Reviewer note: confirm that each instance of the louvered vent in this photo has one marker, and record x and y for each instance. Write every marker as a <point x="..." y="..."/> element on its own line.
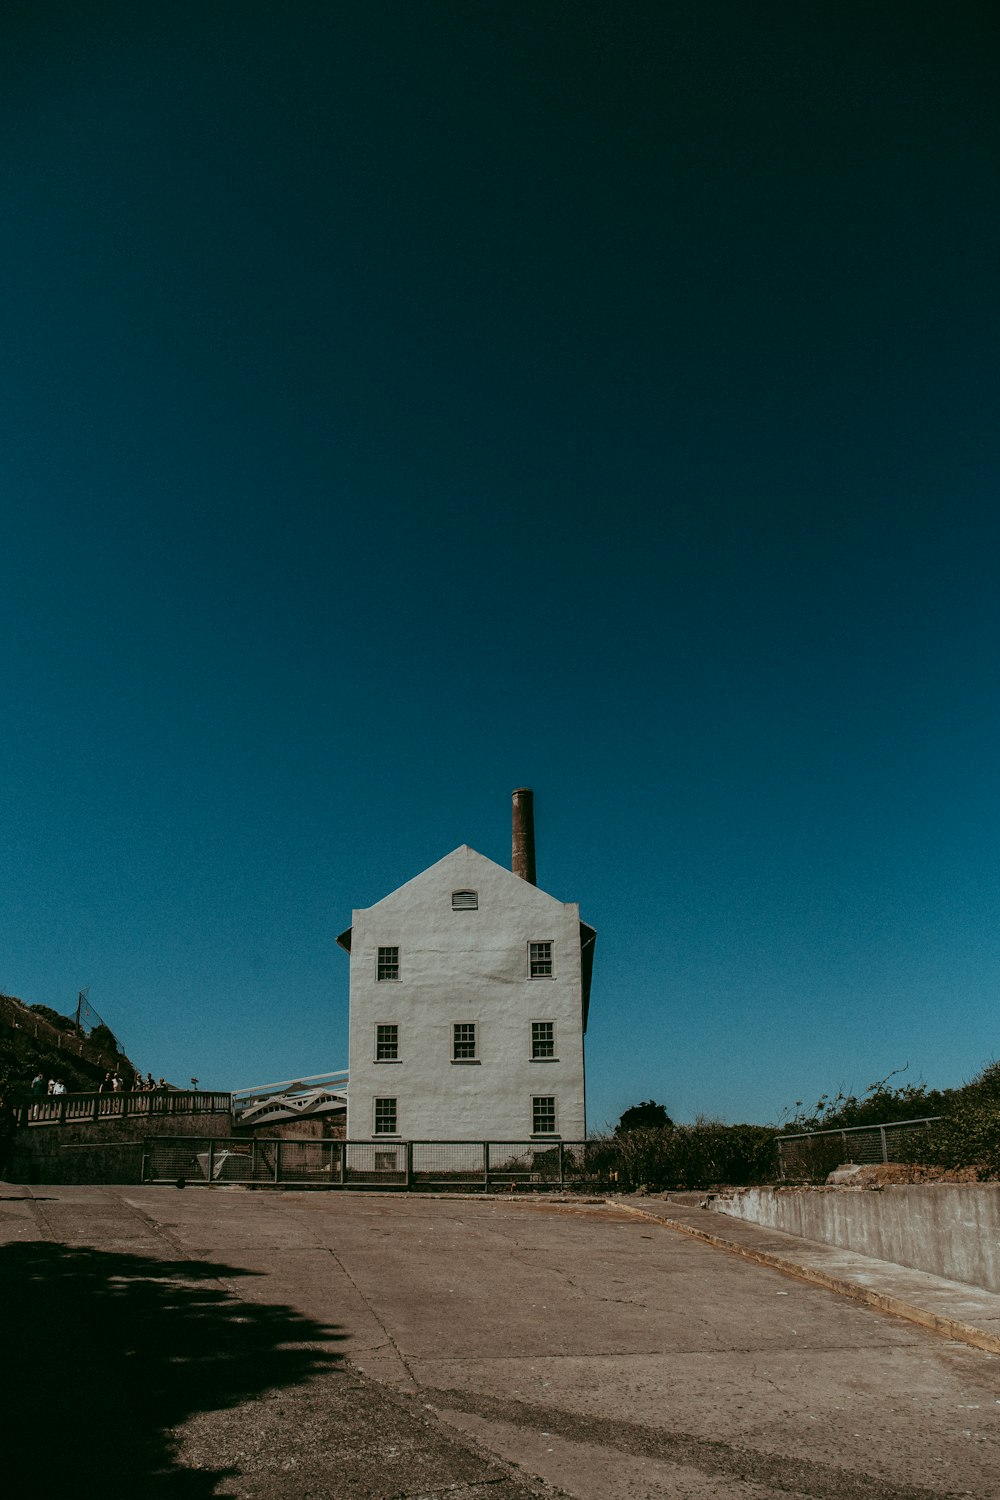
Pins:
<point x="465" y="900"/>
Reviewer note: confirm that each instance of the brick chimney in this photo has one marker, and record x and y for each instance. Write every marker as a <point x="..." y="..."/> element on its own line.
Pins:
<point x="522" y="845"/>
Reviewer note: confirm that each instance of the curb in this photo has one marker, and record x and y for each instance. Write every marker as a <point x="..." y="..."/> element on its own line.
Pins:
<point x="952" y="1328"/>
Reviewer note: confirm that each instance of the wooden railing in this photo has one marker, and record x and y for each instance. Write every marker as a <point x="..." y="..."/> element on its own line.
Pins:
<point x="78" y="1109"/>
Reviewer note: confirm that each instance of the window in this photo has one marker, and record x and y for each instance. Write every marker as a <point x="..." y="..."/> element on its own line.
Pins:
<point x="463" y="1041"/>
<point x="385" y="1161"/>
<point x="539" y="960"/>
<point x="543" y="1039"/>
<point x="465" y="900"/>
<point x="543" y="1114"/>
<point x="387" y="1043"/>
<point x="385" y="1117"/>
<point x="388" y="963"/>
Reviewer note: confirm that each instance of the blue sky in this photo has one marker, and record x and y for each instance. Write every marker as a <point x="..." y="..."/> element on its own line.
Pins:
<point x="404" y="403"/>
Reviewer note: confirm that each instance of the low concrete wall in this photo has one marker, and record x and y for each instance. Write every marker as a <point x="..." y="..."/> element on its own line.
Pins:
<point x="950" y="1229"/>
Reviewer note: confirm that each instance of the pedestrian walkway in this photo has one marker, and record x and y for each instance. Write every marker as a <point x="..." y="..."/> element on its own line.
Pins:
<point x="378" y="1346"/>
<point x="965" y="1313"/>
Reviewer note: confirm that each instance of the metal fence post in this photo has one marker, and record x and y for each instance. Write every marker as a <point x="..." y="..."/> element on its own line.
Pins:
<point x="343" y="1161"/>
<point x="409" y="1165"/>
<point x="486" y="1166"/>
<point x="277" y="1160"/>
<point x="885" y="1149"/>
<point x="211" y="1162"/>
<point x="562" y="1178"/>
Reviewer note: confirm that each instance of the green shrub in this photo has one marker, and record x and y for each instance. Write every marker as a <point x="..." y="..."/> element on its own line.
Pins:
<point x="55" y="1018"/>
<point x="878" y="1105"/>
<point x="648" y="1114"/>
<point x="706" y="1154"/>
<point x="969" y="1133"/>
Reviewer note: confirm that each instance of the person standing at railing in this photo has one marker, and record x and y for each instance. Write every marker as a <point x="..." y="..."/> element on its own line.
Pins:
<point x="58" y="1087"/>
<point x="37" y="1093"/>
<point x="105" y="1084"/>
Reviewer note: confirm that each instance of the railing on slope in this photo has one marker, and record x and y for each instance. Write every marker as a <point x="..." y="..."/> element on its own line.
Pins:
<point x="812" y="1151"/>
<point x="72" y="1109"/>
<point x="21" y="1017"/>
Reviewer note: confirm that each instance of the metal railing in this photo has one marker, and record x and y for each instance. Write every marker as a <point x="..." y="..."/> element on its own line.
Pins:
<point x="321" y="1093"/>
<point x="472" y="1166"/>
<point x="815" y="1151"/>
<point x="74" y="1109"/>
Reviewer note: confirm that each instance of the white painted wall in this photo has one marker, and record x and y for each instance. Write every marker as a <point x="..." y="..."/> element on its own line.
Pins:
<point x="466" y="966"/>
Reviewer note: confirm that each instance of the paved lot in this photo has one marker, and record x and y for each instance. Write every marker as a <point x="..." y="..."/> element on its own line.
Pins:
<point x="204" y="1343"/>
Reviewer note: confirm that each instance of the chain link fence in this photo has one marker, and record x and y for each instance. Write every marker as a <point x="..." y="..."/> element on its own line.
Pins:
<point x="818" y="1152"/>
<point x="483" y="1166"/>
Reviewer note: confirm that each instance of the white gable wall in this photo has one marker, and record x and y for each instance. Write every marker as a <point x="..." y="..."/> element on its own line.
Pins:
<point x="466" y="966"/>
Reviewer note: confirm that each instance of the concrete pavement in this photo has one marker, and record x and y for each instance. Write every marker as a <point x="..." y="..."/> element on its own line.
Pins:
<point x="224" y="1342"/>
<point x="954" y="1309"/>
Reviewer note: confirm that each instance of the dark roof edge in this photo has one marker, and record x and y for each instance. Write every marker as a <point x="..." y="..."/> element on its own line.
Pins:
<point x="588" y="938"/>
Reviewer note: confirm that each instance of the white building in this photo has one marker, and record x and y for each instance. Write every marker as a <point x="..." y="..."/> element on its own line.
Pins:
<point x="469" y="996"/>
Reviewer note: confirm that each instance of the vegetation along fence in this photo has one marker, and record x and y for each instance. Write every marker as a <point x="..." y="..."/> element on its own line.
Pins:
<point x="67" y="1038"/>
<point x="820" y="1151"/>
<point x="476" y="1166"/>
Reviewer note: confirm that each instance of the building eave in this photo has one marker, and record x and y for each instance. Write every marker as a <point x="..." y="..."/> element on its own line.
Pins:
<point x="588" y="939"/>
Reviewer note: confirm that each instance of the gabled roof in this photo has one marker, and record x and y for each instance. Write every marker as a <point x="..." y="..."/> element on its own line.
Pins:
<point x="467" y="856"/>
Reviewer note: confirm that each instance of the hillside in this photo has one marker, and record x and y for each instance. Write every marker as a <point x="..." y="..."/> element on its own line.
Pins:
<point x="36" y="1039"/>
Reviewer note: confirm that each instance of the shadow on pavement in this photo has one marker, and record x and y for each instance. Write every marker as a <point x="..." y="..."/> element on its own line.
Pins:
<point x="106" y="1353"/>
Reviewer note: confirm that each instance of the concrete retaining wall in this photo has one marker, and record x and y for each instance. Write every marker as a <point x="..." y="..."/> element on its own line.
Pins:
<point x="949" y="1229"/>
<point x="104" y="1151"/>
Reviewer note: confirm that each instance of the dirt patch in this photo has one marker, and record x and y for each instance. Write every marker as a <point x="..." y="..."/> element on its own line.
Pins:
<point x="885" y="1174"/>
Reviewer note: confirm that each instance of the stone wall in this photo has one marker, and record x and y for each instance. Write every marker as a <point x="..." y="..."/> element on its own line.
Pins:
<point x="326" y="1127"/>
<point x="109" y="1151"/>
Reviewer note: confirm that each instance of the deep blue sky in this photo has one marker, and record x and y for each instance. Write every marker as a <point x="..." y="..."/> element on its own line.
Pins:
<point x="404" y="402"/>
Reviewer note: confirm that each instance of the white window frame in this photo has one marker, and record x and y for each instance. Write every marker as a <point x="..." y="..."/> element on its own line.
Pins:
<point x="392" y="1099"/>
<point x="537" y="1134"/>
<point x="550" y="960"/>
<point x="474" y="1058"/>
<point x="552" y="1056"/>
<point x="378" y="1027"/>
<point x="381" y="978"/>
